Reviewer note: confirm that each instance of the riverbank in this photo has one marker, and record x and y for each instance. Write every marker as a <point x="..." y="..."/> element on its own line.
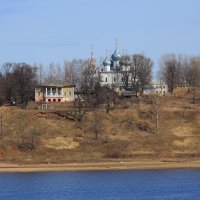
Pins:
<point x="122" y="139"/>
<point x="108" y="165"/>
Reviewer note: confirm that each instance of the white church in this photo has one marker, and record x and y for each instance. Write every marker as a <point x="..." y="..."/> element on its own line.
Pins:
<point x="111" y="72"/>
<point x="111" y="75"/>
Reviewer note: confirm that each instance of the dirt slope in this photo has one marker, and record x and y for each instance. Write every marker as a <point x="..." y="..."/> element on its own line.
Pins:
<point x="126" y="132"/>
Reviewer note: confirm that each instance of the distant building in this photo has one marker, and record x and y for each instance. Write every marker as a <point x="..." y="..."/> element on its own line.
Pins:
<point x="51" y="92"/>
<point x="110" y="74"/>
<point x="113" y="73"/>
<point x="159" y="87"/>
<point x="156" y="87"/>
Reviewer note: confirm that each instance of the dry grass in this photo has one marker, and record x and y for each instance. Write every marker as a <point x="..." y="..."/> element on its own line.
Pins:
<point x="127" y="132"/>
<point x="60" y="143"/>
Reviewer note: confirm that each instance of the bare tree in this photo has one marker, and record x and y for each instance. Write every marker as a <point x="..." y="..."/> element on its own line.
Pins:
<point x="80" y="109"/>
<point x="72" y="71"/>
<point x="25" y="81"/>
<point x="55" y="73"/>
<point x="90" y="79"/>
<point x="7" y="68"/>
<point x="59" y="73"/>
<point x="95" y="125"/>
<point x="189" y="76"/>
<point x="110" y="98"/>
<point x="144" y="72"/>
<point x="183" y="65"/>
<point x="136" y="72"/>
<point x="18" y="81"/>
<point x="125" y="72"/>
<point x="7" y="79"/>
<point x="195" y="74"/>
<point x="28" y="135"/>
<point x="156" y="107"/>
<point x="41" y="73"/>
<point x="136" y="63"/>
<point x="169" y="71"/>
<point x="51" y="73"/>
<point x="2" y="89"/>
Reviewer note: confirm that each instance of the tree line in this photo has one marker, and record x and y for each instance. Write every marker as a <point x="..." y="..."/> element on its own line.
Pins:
<point x="136" y="72"/>
<point x="180" y="71"/>
<point x="18" y="80"/>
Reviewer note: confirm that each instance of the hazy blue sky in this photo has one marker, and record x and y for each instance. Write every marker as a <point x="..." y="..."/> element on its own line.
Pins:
<point x="44" y="31"/>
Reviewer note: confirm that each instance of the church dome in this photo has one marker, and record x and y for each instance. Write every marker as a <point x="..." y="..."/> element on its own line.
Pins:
<point x="116" y="56"/>
<point x="106" y="62"/>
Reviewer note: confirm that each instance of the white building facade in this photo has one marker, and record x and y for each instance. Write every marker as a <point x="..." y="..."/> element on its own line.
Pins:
<point x="156" y="87"/>
<point x="111" y="75"/>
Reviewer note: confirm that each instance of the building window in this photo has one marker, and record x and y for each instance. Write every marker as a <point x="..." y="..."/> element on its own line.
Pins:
<point x="114" y="79"/>
<point x="59" y="91"/>
<point x="70" y="93"/>
<point x="48" y="91"/>
<point x="54" y="91"/>
<point x="65" y="93"/>
<point x="106" y="79"/>
<point x="38" y="93"/>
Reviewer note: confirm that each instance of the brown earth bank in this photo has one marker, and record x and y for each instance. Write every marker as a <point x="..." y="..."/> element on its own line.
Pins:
<point x="126" y="164"/>
<point x="50" y="137"/>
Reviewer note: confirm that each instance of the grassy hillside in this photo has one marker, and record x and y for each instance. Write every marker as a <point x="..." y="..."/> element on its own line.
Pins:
<point x="40" y="136"/>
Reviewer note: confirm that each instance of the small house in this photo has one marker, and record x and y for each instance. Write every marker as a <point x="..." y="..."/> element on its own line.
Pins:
<point x="51" y="92"/>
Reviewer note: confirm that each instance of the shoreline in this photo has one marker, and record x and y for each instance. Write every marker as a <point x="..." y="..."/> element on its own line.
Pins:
<point x="102" y="166"/>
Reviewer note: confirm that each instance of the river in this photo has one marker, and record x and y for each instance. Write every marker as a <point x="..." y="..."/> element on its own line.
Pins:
<point x="183" y="184"/>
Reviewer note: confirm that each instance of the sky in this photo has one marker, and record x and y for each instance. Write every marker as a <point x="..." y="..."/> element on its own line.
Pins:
<point x="45" y="31"/>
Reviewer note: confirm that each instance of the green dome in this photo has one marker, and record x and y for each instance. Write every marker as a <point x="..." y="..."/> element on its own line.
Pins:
<point x="106" y="62"/>
<point x="116" y="56"/>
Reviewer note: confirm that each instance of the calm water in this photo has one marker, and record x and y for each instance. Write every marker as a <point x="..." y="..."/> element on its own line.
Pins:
<point x="96" y="185"/>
